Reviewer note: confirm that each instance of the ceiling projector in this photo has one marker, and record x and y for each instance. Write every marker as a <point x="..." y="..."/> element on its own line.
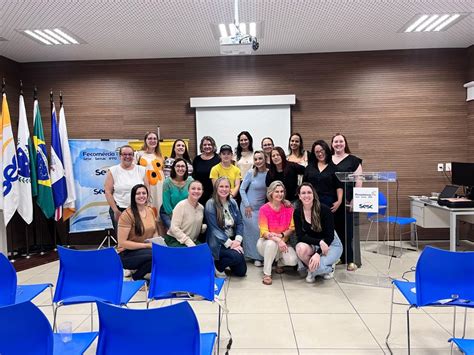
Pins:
<point x="238" y="44"/>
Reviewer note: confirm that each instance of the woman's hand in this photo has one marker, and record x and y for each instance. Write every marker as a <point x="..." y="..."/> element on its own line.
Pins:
<point x="282" y="246"/>
<point x="314" y="262"/>
<point x="335" y="206"/>
<point x="236" y="246"/>
<point x="248" y="212"/>
<point x="117" y="215"/>
<point x="324" y="247"/>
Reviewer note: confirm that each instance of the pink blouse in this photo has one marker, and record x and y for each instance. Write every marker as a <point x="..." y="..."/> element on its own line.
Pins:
<point x="270" y="220"/>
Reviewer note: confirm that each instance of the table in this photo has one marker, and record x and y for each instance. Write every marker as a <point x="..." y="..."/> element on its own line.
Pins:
<point x="429" y="214"/>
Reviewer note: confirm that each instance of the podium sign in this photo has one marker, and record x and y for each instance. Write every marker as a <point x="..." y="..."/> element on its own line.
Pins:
<point x="366" y="199"/>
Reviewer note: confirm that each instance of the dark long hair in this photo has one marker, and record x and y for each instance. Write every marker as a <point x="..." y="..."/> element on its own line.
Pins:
<point x="173" y="169"/>
<point x="312" y="159"/>
<point x="300" y="149"/>
<point x="186" y="153"/>
<point x="139" y="229"/>
<point x="315" y="210"/>
<point x="273" y="168"/>
<point x="239" y="148"/>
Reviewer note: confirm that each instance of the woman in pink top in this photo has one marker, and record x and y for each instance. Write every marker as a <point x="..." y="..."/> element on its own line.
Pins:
<point x="275" y="221"/>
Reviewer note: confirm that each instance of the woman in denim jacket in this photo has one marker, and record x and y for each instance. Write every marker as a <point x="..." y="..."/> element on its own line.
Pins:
<point x="224" y="230"/>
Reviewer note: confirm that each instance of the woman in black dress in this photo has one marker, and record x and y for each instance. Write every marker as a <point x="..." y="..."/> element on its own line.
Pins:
<point x="203" y="164"/>
<point x="346" y="162"/>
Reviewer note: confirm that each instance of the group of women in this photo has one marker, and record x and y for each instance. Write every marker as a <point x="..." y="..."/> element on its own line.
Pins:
<point x="264" y="205"/>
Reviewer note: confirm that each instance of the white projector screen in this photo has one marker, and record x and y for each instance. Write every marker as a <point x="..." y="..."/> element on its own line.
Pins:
<point x="223" y="123"/>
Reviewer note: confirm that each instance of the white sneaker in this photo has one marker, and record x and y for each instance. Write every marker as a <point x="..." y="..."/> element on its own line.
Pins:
<point x="219" y="274"/>
<point x="330" y="275"/>
<point x="258" y="263"/>
<point x="310" y="278"/>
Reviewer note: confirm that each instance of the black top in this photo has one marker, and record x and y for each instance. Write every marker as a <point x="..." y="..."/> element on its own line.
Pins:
<point x="305" y="234"/>
<point x="201" y="170"/>
<point x="349" y="164"/>
<point x="289" y="178"/>
<point x="324" y="182"/>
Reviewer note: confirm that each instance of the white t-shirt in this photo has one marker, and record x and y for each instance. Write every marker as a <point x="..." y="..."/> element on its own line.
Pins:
<point x="124" y="180"/>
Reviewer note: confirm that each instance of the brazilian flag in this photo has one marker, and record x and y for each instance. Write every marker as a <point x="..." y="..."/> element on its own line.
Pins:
<point x="42" y="183"/>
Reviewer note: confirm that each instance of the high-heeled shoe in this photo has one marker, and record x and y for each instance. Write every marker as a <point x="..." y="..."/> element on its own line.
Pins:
<point x="351" y="267"/>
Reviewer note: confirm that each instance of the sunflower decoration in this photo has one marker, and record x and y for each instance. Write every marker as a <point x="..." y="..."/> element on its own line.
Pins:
<point x="154" y="175"/>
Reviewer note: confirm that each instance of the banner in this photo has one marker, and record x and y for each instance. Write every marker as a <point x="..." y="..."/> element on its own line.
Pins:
<point x="91" y="159"/>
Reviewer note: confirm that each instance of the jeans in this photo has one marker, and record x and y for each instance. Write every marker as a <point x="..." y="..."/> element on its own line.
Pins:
<point x="138" y="259"/>
<point x="165" y="218"/>
<point x="326" y="262"/>
<point x="269" y="250"/>
<point x="233" y="259"/>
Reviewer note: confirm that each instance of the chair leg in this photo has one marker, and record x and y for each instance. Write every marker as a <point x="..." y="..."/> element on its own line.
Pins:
<point x="400" y="234"/>
<point x="368" y="234"/>
<point x="219" y="331"/>
<point x="55" y="313"/>
<point x="416" y="238"/>
<point x="465" y="320"/>
<point x="391" y="315"/>
<point x="408" y="329"/>
<point x="52" y="297"/>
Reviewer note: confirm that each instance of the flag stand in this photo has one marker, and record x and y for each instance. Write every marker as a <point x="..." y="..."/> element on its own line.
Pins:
<point x="27" y="243"/>
<point x="107" y="239"/>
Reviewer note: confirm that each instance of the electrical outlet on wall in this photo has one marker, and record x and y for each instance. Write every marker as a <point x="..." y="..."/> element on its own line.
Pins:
<point x="447" y="167"/>
<point x="440" y="167"/>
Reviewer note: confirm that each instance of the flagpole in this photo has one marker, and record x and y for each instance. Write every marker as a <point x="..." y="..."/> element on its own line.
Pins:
<point x="35" y="97"/>
<point x="68" y="240"/>
<point x="55" y="229"/>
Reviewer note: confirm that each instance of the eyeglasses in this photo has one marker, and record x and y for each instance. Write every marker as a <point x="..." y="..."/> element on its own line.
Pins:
<point x="127" y="154"/>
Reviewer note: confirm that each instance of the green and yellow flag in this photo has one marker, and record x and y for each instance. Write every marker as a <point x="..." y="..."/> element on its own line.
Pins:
<point x="42" y="183"/>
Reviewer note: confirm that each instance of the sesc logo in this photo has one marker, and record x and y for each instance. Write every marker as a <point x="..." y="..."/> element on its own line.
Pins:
<point x="99" y="191"/>
<point x="100" y="172"/>
<point x="365" y="206"/>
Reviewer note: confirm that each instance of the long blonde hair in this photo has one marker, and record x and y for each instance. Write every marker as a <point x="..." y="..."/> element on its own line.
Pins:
<point x="218" y="203"/>
<point x="255" y="169"/>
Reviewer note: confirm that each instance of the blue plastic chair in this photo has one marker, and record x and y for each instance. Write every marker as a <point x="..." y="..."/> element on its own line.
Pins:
<point x="183" y="273"/>
<point x="24" y="329"/>
<point x="166" y="330"/>
<point x="87" y="276"/>
<point x="465" y="345"/>
<point x="442" y="278"/>
<point x="10" y="292"/>
<point x="381" y="217"/>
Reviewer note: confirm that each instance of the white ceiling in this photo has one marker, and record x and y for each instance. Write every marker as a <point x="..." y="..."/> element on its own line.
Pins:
<point x="125" y="29"/>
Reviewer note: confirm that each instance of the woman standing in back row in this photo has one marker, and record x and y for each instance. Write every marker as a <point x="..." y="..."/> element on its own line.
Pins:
<point x="203" y="164"/>
<point x="244" y="152"/>
<point x="346" y="162"/>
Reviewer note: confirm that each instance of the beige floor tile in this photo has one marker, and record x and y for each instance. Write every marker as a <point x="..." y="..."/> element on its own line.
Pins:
<point x="332" y="331"/>
<point x="443" y="351"/>
<point x="446" y="322"/>
<point x="263" y="351"/>
<point x="261" y="331"/>
<point x="425" y="332"/>
<point x="253" y="281"/>
<point x="318" y="300"/>
<point x="341" y="351"/>
<point x="257" y="301"/>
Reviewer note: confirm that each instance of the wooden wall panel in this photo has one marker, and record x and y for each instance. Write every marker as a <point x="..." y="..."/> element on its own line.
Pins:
<point x="400" y="110"/>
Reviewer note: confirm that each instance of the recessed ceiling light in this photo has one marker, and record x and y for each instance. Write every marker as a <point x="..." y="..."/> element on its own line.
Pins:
<point x="55" y="36"/>
<point x="432" y="22"/>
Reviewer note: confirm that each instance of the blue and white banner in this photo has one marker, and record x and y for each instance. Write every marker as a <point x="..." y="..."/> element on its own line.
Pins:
<point x="91" y="160"/>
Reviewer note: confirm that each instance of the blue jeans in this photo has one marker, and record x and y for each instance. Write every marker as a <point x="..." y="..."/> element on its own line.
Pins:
<point x="233" y="259"/>
<point x="165" y="218"/>
<point x="326" y="261"/>
<point x="138" y="259"/>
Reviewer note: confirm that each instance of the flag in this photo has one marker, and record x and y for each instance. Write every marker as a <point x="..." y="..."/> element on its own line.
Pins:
<point x="69" y="206"/>
<point x="9" y="165"/>
<point x="25" y="200"/>
<point x="43" y="182"/>
<point x="58" y="180"/>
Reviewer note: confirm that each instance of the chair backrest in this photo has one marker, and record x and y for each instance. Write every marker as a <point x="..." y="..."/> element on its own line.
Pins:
<point x="182" y="269"/>
<point x="24" y="329"/>
<point x="89" y="273"/>
<point x="442" y="274"/>
<point x="382" y="210"/>
<point x="8" y="281"/>
<point x="165" y="330"/>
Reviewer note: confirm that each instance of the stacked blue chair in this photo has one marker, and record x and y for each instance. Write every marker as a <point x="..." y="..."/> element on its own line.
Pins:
<point x="24" y="329"/>
<point x="88" y="276"/>
<point x="399" y="221"/>
<point x="10" y="292"/>
<point x="465" y="345"/>
<point x="184" y="273"/>
<point x="442" y="278"/>
<point x="166" y="330"/>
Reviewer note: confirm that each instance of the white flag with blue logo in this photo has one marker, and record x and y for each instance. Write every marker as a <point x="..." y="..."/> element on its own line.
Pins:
<point x="70" y="205"/>
<point x="25" y="200"/>
<point x="9" y="165"/>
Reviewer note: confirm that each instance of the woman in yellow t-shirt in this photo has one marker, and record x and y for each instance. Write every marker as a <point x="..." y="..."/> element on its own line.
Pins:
<point x="227" y="169"/>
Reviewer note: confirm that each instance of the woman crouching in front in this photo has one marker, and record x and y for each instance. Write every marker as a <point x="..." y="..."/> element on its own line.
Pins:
<point x="318" y="245"/>
<point x="225" y="229"/>
<point x="136" y="225"/>
<point x="275" y="221"/>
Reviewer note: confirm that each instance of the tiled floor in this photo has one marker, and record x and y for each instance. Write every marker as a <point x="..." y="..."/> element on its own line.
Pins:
<point x="293" y="317"/>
